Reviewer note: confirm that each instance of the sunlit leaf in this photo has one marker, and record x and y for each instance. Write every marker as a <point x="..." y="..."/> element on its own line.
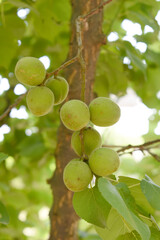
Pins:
<point x="90" y="205"/>
<point x="112" y="195"/>
<point x="152" y="192"/>
<point x="116" y="226"/>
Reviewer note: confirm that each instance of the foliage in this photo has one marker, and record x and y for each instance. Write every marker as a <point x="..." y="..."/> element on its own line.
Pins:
<point x="26" y="153"/>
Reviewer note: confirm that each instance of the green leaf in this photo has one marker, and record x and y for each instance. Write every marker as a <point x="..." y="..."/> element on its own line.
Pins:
<point x="32" y="146"/>
<point x="133" y="54"/>
<point x="90" y="205"/>
<point x="151" y="191"/>
<point x="8" y="47"/>
<point x="135" y="190"/>
<point x="4" y="217"/>
<point x="3" y="157"/>
<point x="21" y="4"/>
<point x="46" y="24"/>
<point x="116" y="226"/>
<point x="137" y="61"/>
<point x="112" y="195"/>
<point x="126" y="195"/>
<point x="155" y="234"/>
<point x="111" y="77"/>
<point x="92" y="237"/>
<point x="62" y="13"/>
<point x="129" y="236"/>
<point x="15" y="25"/>
<point x="148" y="89"/>
<point x="144" y="19"/>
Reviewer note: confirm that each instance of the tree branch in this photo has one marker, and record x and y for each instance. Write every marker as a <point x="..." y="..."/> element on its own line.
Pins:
<point x="138" y="147"/>
<point x="147" y="146"/>
<point x="17" y="101"/>
<point x="64" y="65"/>
<point x="95" y="11"/>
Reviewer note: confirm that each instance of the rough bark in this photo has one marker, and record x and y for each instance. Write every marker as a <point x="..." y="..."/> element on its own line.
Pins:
<point x="64" y="221"/>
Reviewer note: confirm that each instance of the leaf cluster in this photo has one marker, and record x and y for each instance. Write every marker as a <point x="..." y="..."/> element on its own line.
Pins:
<point x="121" y="210"/>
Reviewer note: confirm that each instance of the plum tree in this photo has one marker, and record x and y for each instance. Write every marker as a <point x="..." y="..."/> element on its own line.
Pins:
<point x="75" y="114"/>
<point x="104" y="161"/>
<point x="30" y="71"/>
<point x="90" y="139"/>
<point x="77" y="175"/>
<point x="59" y="86"/>
<point x="40" y="100"/>
<point x="104" y="112"/>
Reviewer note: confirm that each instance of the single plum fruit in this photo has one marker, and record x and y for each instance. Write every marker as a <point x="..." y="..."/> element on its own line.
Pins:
<point x="104" y="161"/>
<point x="30" y="71"/>
<point x="59" y="86"/>
<point x="77" y="175"/>
<point x="104" y="112"/>
<point x="87" y="140"/>
<point x="40" y="100"/>
<point x="75" y="115"/>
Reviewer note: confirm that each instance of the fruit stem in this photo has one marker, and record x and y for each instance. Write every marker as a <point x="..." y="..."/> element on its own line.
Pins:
<point x="64" y="65"/>
<point x="82" y="142"/>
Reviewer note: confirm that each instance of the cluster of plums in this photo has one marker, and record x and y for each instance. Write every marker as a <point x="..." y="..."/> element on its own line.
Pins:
<point x="76" y="116"/>
<point x="86" y="141"/>
<point x="41" y="97"/>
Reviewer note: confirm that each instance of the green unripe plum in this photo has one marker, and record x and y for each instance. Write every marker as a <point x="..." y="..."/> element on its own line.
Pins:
<point x="59" y="86"/>
<point x="30" y="71"/>
<point x="90" y="139"/>
<point x="40" y="100"/>
<point x="75" y="115"/>
<point x="104" y="161"/>
<point x="104" y="112"/>
<point x="77" y="175"/>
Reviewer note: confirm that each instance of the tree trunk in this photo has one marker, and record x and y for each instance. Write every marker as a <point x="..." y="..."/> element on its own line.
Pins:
<point x="64" y="221"/>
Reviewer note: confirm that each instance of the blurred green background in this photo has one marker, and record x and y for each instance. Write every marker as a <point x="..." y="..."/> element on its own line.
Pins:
<point x="128" y="71"/>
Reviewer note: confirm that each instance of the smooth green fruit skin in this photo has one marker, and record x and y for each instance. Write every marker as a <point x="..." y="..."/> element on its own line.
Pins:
<point x="40" y="100"/>
<point x="77" y="175"/>
<point x="91" y="140"/>
<point x="75" y="115"/>
<point x="59" y="86"/>
<point x="104" y="112"/>
<point x="104" y="161"/>
<point x="30" y="71"/>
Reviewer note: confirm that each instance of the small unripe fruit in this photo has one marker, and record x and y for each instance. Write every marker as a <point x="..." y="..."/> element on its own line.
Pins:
<point x="30" y="71"/>
<point x="87" y="141"/>
<point x="77" y="175"/>
<point x="75" y="115"/>
<point x="59" y="86"/>
<point x="104" y="112"/>
<point x="40" y="100"/>
<point x="104" y="161"/>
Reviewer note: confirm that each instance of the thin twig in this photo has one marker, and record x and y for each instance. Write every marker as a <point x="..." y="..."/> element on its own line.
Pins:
<point x="140" y="147"/>
<point x="64" y="65"/>
<point x="96" y="10"/>
<point x="154" y="155"/>
<point x="145" y="147"/>
<point x="17" y="101"/>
